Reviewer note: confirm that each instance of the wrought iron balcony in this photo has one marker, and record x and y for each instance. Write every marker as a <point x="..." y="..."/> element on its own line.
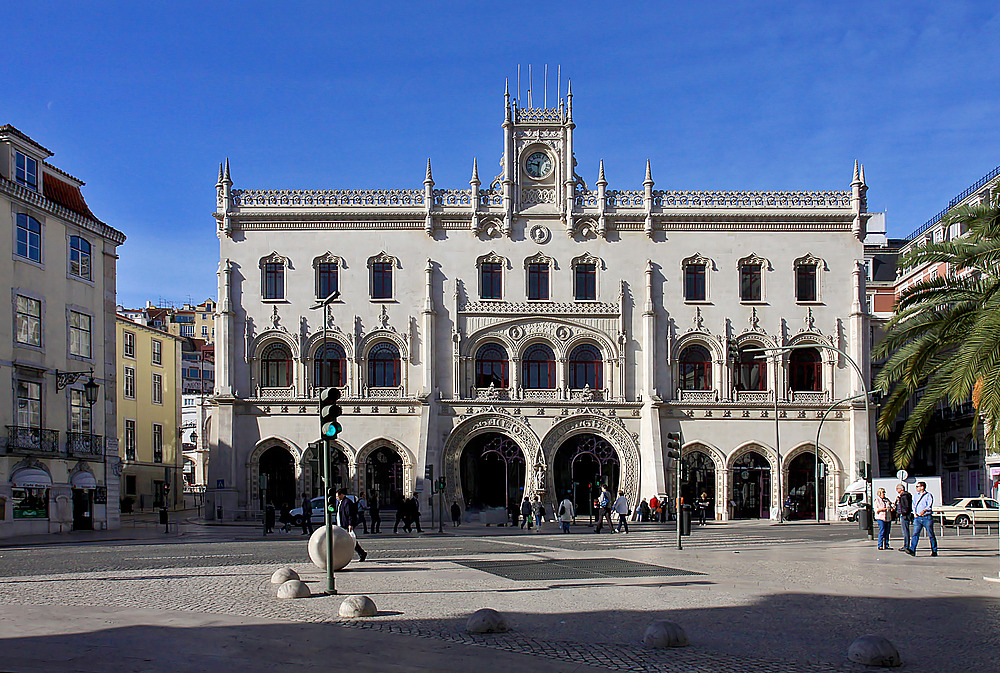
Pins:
<point x="84" y="444"/>
<point x="32" y="441"/>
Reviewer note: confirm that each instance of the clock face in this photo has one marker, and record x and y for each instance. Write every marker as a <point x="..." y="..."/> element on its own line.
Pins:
<point x="538" y="165"/>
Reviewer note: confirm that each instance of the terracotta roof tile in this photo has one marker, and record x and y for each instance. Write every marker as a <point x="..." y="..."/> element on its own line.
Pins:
<point x="66" y="195"/>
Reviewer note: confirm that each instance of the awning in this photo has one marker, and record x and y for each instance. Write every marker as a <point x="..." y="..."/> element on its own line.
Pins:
<point x="84" y="480"/>
<point x="31" y="477"/>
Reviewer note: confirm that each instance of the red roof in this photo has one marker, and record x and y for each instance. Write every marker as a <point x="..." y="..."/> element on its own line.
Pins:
<point x="65" y="195"/>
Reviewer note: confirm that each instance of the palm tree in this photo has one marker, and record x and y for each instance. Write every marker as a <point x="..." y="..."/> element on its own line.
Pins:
<point x="944" y="336"/>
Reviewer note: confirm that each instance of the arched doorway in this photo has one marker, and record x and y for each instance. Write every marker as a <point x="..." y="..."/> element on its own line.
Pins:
<point x="340" y="473"/>
<point x="277" y="471"/>
<point x="384" y="476"/>
<point x="802" y="487"/>
<point x="583" y="464"/>
<point x="751" y="487"/>
<point x="493" y="471"/>
<point x="699" y="477"/>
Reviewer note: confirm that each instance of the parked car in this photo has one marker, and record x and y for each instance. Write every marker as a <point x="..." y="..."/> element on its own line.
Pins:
<point x="317" y="512"/>
<point x="963" y="512"/>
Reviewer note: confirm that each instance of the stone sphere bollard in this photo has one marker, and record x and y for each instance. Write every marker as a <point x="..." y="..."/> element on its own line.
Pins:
<point x="358" y="606"/>
<point x="872" y="650"/>
<point x="282" y="575"/>
<point x="343" y="547"/>
<point x="486" y="620"/>
<point x="662" y="633"/>
<point x="294" y="589"/>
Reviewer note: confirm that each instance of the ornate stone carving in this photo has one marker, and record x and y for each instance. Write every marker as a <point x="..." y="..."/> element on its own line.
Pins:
<point x="539" y="234"/>
<point x="492" y="258"/>
<point x="563" y="333"/>
<point x="383" y="257"/>
<point x="275" y="258"/>
<point x="329" y="258"/>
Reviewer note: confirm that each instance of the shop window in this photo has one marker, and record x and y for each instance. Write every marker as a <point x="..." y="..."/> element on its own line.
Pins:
<point x="31" y="503"/>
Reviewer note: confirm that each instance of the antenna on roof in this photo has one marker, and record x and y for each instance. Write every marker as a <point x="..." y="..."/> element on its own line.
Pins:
<point x="545" y="87"/>
<point x="518" y="83"/>
<point x="559" y="85"/>
<point x="529" y="86"/>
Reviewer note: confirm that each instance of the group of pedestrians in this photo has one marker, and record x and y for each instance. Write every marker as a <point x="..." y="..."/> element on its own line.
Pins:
<point x="907" y="510"/>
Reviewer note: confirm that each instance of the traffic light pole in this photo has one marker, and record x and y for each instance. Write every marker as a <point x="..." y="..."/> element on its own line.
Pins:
<point x="678" y="509"/>
<point x="331" y="587"/>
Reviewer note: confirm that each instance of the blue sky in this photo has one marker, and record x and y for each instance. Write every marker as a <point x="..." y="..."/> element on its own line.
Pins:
<point x="142" y="100"/>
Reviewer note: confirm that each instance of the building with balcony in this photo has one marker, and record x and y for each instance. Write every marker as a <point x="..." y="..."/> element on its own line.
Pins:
<point x="58" y="452"/>
<point x="953" y="445"/>
<point x="533" y="334"/>
<point x="149" y="416"/>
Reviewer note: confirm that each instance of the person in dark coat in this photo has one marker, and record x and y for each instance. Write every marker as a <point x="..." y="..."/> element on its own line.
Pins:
<point x="402" y="509"/>
<point x="415" y="513"/>
<point x="526" y="513"/>
<point x="285" y="517"/>
<point x="307" y="515"/>
<point x="268" y="518"/>
<point x="456" y="514"/>
<point x="376" y="514"/>
<point x="514" y="513"/>
<point x="347" y="518"/>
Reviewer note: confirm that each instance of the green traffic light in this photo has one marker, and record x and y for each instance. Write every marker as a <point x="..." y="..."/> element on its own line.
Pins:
<point x="331" y="430"/>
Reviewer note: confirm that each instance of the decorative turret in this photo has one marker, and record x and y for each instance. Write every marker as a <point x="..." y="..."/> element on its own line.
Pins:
<point x="224" y="189"/>
<point x="859" y="200"/>
<point x="506" y="102"/>
<point x="569" y="100"/>
<point x="602" y="185"/>
<point x="428" y="201"/>
<point x="647" y="200"/>
<point x="474" y="183"/>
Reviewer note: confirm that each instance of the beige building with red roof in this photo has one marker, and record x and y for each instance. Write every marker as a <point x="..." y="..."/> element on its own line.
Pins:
<point x="59" y="463"/>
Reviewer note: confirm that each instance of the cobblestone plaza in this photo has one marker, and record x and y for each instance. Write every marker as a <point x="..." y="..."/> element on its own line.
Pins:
<point x="752" y="597"/>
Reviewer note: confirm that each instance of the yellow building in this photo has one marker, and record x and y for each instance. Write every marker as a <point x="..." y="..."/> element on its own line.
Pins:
<point x="149" y="416"/>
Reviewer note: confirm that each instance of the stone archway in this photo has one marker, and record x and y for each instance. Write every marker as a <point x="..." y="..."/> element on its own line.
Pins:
<point x="341" y="464"/>
<point x="376" y="469"/>
<point x="752" y="489"/>
<point x="511" y="426"/>
<point x="253" y="493"/>
<point x="610" y="429"/>
<point x="798" y="479"/>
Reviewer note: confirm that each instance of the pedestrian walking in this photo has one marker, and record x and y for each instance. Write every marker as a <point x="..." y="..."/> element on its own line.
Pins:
<point x="269" y="518"/>
<point x="904" y="510"/>
<point x="883" y="514"/>
<point x="703" y="504"/>
<point x="307" y="515"/>
<point x="643" y="510"/>
<point x="456" y="514"/>
<point x="375" y="511"/>
<point x="604" y="511"/>
<point x="538" y="512"/>
<point x="623" y="510"/>
<point x="514" y="513"/>
<point x="402" y="513"/>
<point x="347" y="518"/>
<point x="654" y="508"/>
<point x="285" y="518"/>
<point x="526" y="513"/>
<point x="415" y="511"/>
<point x="923" y="519"/>
<point x="362" y="519"/>
<point x="566" y="513"/>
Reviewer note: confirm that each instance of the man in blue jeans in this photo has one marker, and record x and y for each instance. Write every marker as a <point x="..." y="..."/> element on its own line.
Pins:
<point x="923" y="509"/>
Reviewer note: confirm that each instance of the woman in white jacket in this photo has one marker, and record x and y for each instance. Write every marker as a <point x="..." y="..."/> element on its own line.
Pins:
<point x="622" y="509"/>
<point x="566" y="513"/>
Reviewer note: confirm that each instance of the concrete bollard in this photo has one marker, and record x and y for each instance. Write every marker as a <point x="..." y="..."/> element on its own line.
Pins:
<point x="282" y="575"/>
<point x="343" y="547"/>
<point x="294" y="589"/>
<point x="662" y="634"/>
<point x="872" y="650"/>
<point x="486" y="620"/>
<point x="358" y="606"/>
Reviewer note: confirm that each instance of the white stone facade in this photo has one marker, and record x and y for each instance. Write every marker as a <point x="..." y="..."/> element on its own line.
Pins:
<point x="632" y="280"/>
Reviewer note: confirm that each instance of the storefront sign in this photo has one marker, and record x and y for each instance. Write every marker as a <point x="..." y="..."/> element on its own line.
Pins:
<point x="101" y="495"/>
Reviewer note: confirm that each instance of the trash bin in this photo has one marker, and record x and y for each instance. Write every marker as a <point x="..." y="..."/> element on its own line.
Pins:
<point x="218" y="513"/>
<point x="163" y="516"/>
<point x="864" y="518"/>
<point x="685" y="522"/>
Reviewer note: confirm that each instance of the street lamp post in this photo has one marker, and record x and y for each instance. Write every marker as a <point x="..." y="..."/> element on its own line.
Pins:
<point x="867" y="395"/>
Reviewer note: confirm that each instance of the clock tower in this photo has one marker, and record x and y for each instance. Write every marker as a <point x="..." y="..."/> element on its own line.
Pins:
<point x="538" y="177"/>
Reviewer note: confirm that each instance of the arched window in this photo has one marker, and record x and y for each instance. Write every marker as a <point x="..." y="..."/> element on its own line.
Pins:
<point x="491" y="366"/>
<point x="586" y="368"/>
<point x="806" y="368"/>
<point x="539" y="367"/>
<point x="330" y="366"/>
<point x="752" y="370"/>
<point x="695" y="369"/>
<point x="276" y="366"/>
<point x="383" y="366"/>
